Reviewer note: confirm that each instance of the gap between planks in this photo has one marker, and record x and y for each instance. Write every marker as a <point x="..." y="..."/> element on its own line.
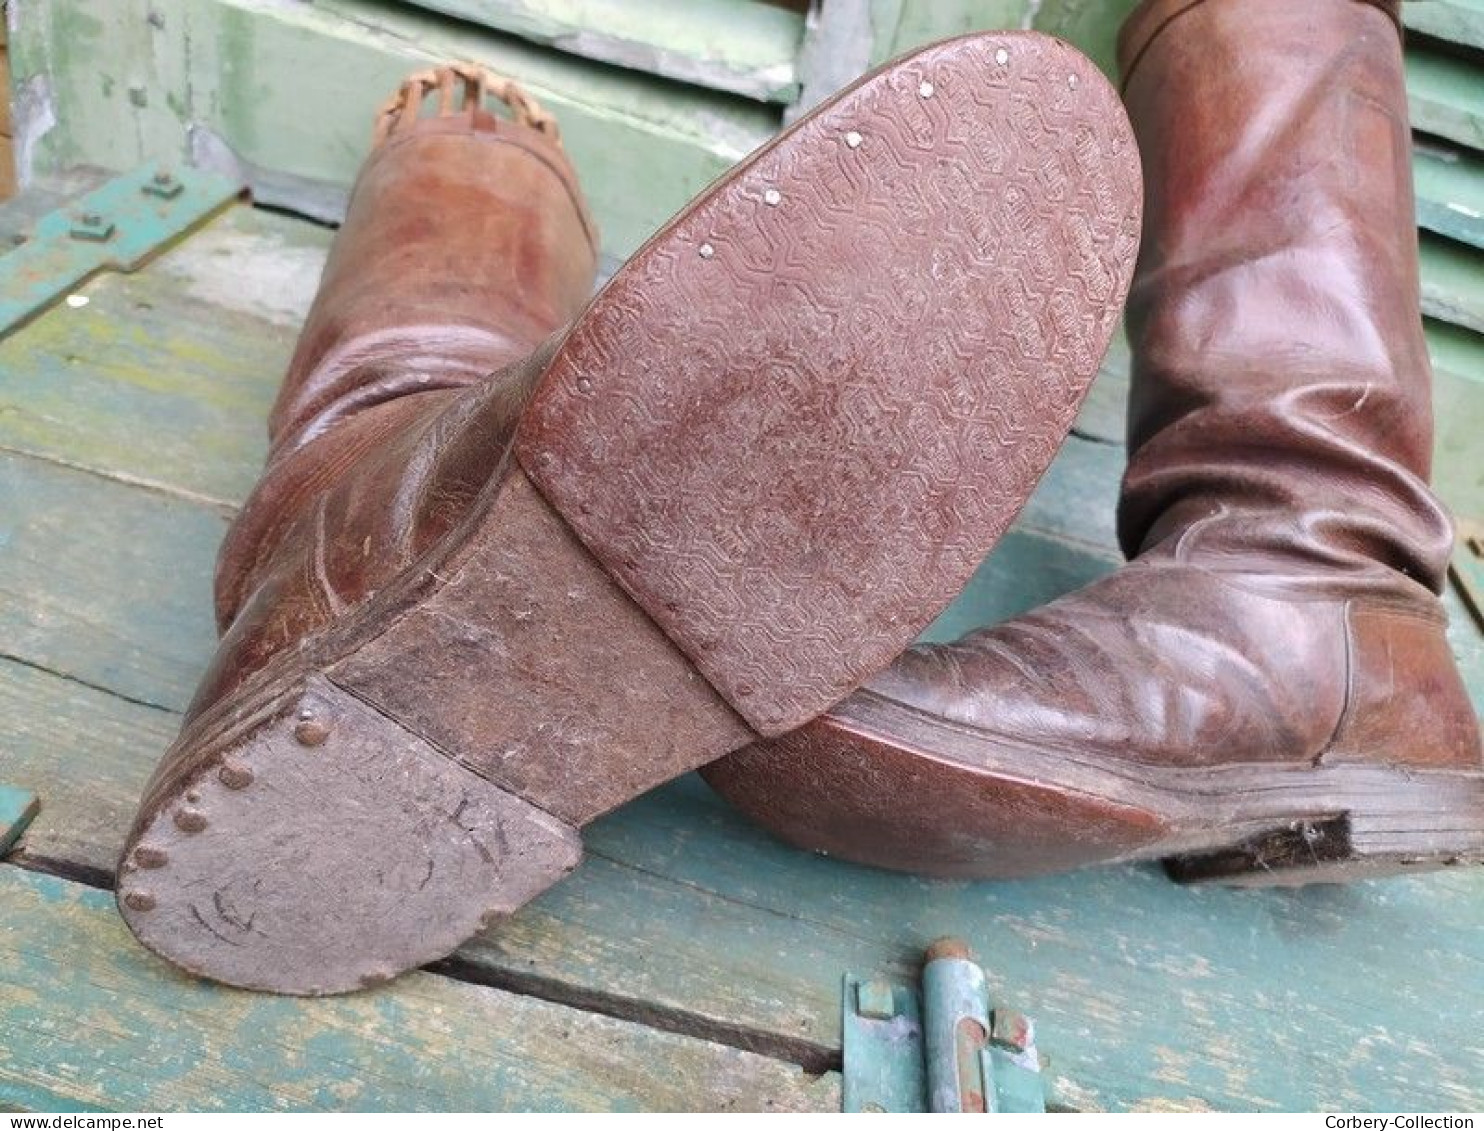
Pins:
<point x="811" y="1057"/>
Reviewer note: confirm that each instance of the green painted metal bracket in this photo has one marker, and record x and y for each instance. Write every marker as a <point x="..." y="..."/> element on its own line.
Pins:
<point x="17" y="808"/>
<point x="116" y="227"/>
<point x="937" y="1047"/>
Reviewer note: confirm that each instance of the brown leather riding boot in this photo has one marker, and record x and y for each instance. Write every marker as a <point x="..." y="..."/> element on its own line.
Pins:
<point x="466" y="615"/>
<point x="1265" y="693"/>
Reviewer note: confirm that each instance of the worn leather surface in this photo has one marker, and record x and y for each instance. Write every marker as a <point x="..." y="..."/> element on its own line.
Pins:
<point x="466" y="244"/>
<point x="1281" y="605"/>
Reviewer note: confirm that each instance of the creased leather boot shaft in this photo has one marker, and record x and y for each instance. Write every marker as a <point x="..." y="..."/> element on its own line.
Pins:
<point x="466" y="243"/>
<point x="1274" y="655"/>
<point x="1280" y="420"/>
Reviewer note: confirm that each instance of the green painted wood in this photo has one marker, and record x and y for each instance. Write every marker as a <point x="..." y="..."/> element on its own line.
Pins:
<point x="1459" y="21"/>
<point x="748" y="47"/>
<point x="1452" y="282"/>
<point x="199" y="339"/>
<point x="284" y="94"/>
<point x="18" y="807"/>
<point x="87" y="752"/>
<point x="1148" y="995"/>
<point x="734" y="956"/>
<point x="107" y="585"/>
<point x="1089" y="25"/>
<point x="92" y="1022"/>
<point x="1450" y="192"/>
<point x="1446" y="96"/>
<point x="1458" y="414"/>
<point x="116" y="226"/>
<point x="906" y="24"/>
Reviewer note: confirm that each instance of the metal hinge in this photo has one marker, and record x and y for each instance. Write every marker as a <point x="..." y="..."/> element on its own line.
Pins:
<point x="938" y="1046"/>
<point x="117" y="226"/>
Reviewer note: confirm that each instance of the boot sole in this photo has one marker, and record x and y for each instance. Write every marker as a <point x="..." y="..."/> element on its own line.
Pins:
<point x="914" y="792"/>
<point x="773" y="448"/>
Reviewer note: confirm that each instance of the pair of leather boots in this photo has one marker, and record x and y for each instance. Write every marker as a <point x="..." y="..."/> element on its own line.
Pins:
<point x="519" y="555"/>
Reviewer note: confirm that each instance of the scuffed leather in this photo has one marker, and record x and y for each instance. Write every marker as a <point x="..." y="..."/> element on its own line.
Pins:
<point x="1282" y="605"/>
<point x="466" y="244"/>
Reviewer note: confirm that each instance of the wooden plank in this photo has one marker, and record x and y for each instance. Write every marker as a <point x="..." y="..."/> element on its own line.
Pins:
<point x="1148" y="995"/>
<point x="85" y="385"/>
<point x="1089" y="25"/>
<point x="1292" y="1000"/>
<point x="746" y="939"/>
<point x="86" y="753"/>
<point x="1458" y="416"/>
<point x="748" y="47"/>
<point x="1452" y="282"/>
<point x="119" y="1030"/>
<point x="1445" y="96"/>
<point x="285" y="93"/>
<point x="917" y="22"/>
<point x="107" y="585"/>
<point x="1459" y="21"/>
<point x="1450" y="192"/>
<point x="18" y="807"/>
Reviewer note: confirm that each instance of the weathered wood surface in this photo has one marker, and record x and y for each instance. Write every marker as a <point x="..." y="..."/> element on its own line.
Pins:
<point x="285" y="93"/>
<point x="684" y="915"/>
<point x="748" y="47"/>
<point x="1446" y="97"/>
<point x="1452" y="282"/>
<point x="90" y="1021"/>
<point x="1458" y="21"/>
<point x="1450" y="192"/>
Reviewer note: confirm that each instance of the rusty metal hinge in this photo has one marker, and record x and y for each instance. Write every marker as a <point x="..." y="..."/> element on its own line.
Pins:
<point x="939" y="1046"/>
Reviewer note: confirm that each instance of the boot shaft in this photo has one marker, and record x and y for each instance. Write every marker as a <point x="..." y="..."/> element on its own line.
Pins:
<point x="466" y="243"/>
<point x="454" y="259"/>
<point x="1280" y="412"/>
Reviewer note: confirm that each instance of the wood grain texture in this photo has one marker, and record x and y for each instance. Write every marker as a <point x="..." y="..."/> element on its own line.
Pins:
<point x="1459" y="21"/>
<point x="90" y="1021"/>
<point x="1445" y="96"/>
<point x="742" y="46"/>
<point x="1148" y="995"/>
<point x="285" y="94"/>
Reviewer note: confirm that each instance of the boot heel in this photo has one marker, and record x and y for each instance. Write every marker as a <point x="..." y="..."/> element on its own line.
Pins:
<point x="326" y="847"/>
<point x="426" y="775"/>
<point x="1425" y="822"/>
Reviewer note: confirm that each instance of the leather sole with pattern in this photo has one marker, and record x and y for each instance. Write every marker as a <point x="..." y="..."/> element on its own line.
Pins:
<point x="773" y="448"/>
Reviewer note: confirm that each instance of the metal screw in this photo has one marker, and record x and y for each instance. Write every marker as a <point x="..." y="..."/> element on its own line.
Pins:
<point x="312" y="732"/>
<point x="164" y="185"/>
<point x="1002" y="56"/>
<point x="147" y="857"/>
<point x="926" y="89"/>
<point x="91" y="226"/>
<point x="853" y="140"/>
<point x="139" y="901"/>
<point x="707" y="251"/>
<point x="233" y="775"/>
<point x="190" y="820"/>
<point x="772" y="198"/>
